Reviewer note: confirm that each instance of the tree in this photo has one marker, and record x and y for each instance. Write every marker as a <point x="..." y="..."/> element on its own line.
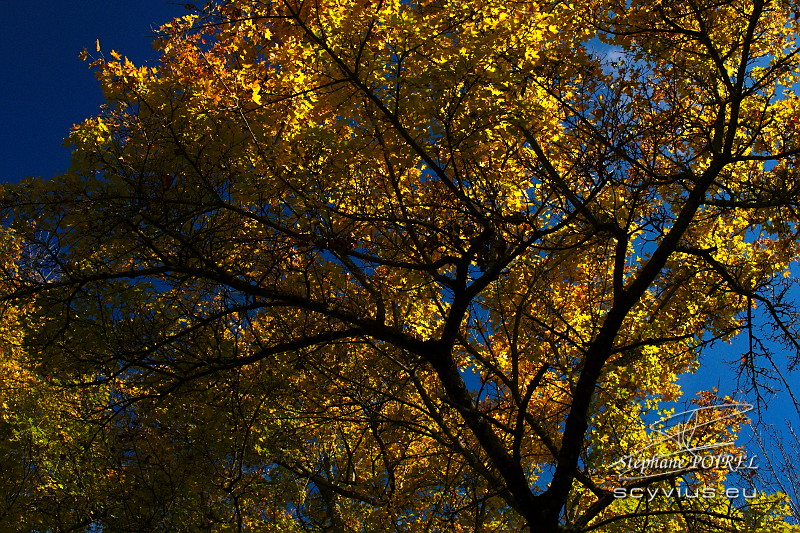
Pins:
<point x="416" y="265"/>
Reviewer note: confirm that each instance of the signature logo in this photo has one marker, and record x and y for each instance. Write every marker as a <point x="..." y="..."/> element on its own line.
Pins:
<point x="685" y="445"/>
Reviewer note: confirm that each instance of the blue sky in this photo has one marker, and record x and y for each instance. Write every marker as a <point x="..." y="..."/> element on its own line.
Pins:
<point x="45" y="87"/>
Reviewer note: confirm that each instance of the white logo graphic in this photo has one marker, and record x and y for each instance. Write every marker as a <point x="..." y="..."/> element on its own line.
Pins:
<point x="682" y="436"/>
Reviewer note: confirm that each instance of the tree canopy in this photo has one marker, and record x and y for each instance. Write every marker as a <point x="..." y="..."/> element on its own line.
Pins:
<point x="402" y="265"/>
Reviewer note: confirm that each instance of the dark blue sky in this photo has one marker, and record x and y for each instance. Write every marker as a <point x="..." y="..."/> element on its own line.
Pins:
<point x="45" y="87"/>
